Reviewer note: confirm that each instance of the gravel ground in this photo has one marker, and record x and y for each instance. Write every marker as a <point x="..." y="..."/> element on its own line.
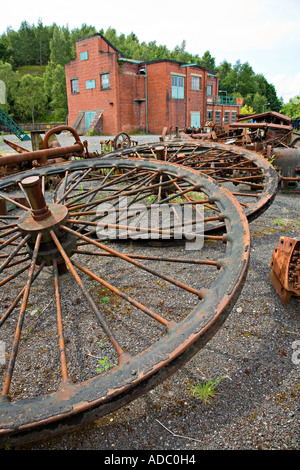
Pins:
<point x="256" y="404"/>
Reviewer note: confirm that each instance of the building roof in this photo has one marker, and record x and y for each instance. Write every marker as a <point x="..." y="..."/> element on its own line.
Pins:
<point x="104" y="38"/>
<point x="142" y="62"/>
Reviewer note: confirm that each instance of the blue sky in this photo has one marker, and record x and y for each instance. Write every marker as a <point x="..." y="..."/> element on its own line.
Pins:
<point x="264" y="33"/>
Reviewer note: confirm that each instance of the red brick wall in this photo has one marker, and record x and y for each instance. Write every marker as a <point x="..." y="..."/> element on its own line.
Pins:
<point x="132" y="97"/>
<point x="157" y="97"/>
<point x="101" y="58"/>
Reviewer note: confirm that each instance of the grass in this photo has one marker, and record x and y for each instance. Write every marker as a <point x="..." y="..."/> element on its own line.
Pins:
<point x="279" y="221"/>
<point x="30" y="69"/>
<point x="206" y="391"/>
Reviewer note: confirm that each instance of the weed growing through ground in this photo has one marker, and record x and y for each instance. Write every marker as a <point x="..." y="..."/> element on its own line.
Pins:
<point x="279" y="221"/>
<point x="103" y="365"/>
<point x="205" y="391"/>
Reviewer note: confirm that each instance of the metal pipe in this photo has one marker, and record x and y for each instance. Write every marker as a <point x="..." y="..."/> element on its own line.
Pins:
<point x="41" y="155"/>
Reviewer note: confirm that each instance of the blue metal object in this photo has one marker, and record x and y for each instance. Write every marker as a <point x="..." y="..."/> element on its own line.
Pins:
<point x="13" y="126"/>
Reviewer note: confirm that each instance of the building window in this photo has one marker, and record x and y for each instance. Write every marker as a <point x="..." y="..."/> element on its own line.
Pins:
<point x="89" y="84"/>
<point x="209" y="90"/>
<point x="217" y="117"/>
<point x="226" y="117"/>
<point x="209" y="116"/>
<point x="84" y="55"/>
<point x="177" y="87"/>
<point x="195" y="83"/>
<point x="74" y="86"/>
<point x="105" y="81"/>
<point x="233" y="116"/>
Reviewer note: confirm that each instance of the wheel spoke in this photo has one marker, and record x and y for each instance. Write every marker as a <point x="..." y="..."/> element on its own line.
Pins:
<point x="88" y="297"/>
<point x="14" y="252"/>
<point x="19" y="327"/>
<point x="135" y="303"/>
<point x="62" y="348"/>
<point x="132" y="261"/>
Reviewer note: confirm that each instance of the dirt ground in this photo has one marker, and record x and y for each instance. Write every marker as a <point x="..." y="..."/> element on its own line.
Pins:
<point x="255" y="356"/>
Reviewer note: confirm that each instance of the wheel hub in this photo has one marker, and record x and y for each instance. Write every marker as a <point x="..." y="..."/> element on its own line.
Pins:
<point x="43" y="219"/>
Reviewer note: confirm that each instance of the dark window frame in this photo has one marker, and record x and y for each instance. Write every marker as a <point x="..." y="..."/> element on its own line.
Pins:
<point x="73" y="90"/>
<point x="103" y="74"/>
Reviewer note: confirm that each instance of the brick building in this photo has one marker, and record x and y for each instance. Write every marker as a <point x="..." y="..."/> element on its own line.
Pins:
<point x="110" y="93"/>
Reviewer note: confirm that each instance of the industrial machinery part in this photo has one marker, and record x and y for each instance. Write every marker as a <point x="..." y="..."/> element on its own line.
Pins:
<point x="122" y="140"/>
<point x="50" y="152"/>
<point x="287" y="160"/>
<point x="73" y="299"/>
<point x="285" y="268"/>
<point x="250" y="177"/>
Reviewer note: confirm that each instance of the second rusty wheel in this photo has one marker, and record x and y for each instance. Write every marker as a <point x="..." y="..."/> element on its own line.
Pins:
<point x="89" y="320"/>
<point x="250" y="178"/>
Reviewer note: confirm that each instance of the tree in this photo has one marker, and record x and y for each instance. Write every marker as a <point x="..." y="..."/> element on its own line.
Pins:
<point x="292" y="108"/>
<point x="223" y="70"/>
<point x="59" y="48"/>
<point x="31" y="98"/>
<point x="260" y="103"/>
<point x="5" y="50"/>
<point x="246" y="109"/>
<point x="11" y="80"/>
<point x="59" y="94"/>
<point x="43" y="36"/>
<point x="24" y="45"/>
<point x="230" y="81"/>
<point x="208" y="61"/>
<point x="268" y="90"/>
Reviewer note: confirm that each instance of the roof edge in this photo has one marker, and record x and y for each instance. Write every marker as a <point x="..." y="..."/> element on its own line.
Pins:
<point x="102" y="37"/>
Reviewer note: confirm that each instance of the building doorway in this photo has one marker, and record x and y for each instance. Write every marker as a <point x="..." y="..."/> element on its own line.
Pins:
<point x="89" y="116"/>
<point x="195" y="119"/>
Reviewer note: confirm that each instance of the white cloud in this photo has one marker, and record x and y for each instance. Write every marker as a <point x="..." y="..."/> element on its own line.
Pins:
<point x="287" y="87"/>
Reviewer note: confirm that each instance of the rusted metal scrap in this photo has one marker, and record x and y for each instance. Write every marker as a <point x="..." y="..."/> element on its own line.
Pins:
<point x="287" y="161"/>
<point x="285" y="268"/>
<point x="121" y="140"/>
<point x="45" y="151"/>
<point x="271" y="134"/>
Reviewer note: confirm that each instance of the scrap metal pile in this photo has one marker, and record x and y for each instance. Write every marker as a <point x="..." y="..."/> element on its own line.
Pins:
<point x="270" y="134"/>
<point x="63" y="231"/>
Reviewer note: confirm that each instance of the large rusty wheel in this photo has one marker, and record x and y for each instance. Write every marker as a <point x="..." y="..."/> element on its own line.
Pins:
<point x="88" y="324"/>
<point x="247" y="175"/>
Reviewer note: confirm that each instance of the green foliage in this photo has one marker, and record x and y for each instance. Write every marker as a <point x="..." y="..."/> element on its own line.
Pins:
<point x="59" y="47"/>
<point x="59" y="93"/>
<point x="246" y="109"/>
<point x="103" y="365"/>
<point x="205" y="391"/>
<point x="11" y="80"/>
<point x="292" y="108"/>
<point x="240" y="80"/>
<point x="30" y="98"/>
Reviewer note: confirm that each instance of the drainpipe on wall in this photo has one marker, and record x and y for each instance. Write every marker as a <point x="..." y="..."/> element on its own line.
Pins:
<point x="146" y="98"/>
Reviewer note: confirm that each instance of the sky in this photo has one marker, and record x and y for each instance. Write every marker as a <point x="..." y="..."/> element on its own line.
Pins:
<point x="264" y="33"/>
